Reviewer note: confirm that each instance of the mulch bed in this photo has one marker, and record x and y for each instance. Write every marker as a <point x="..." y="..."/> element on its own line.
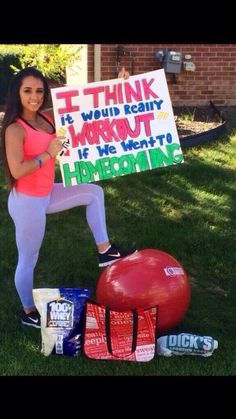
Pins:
<point x="193" y="120"/>
<point x="185" y="127"/>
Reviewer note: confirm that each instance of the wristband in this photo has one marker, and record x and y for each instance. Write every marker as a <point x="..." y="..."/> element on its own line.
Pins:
<point x="48" y="154"/>
<point x="38" y="160"/>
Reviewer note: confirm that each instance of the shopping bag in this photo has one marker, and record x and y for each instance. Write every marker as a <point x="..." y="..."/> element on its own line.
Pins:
<point x="121" y="335"/>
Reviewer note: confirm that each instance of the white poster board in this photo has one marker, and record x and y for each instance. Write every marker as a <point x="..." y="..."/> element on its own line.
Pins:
<point x="115" y="127"/>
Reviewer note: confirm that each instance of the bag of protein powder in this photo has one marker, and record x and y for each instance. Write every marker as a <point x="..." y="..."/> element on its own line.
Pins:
<point x="61" y="311"/>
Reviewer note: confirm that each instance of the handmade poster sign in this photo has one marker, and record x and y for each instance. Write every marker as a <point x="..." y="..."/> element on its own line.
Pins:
<point x="115" y="127"/>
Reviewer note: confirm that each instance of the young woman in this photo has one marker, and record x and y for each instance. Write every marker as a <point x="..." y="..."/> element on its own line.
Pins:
<point x="29" y="148"/>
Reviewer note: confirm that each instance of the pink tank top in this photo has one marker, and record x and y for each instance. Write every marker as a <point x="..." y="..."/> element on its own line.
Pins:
<point x="40" y="181"/>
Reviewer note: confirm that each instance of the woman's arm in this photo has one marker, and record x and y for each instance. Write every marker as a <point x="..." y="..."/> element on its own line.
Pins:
<point x="19" y="167"/>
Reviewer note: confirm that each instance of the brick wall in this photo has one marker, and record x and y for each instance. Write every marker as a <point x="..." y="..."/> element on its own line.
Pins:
<point x="214" y="78"/>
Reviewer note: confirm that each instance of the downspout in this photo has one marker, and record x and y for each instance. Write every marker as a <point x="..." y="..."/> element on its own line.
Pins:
<point x="97" y="62"/>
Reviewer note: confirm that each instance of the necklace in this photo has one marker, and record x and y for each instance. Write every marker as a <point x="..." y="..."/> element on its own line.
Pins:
<point x="35" y="121"/>
<point x="42" y="125"/>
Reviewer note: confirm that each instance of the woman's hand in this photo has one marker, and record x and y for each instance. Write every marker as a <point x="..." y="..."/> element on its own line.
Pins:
<point x="55" y="145"/>
<point x="123" y="73"/>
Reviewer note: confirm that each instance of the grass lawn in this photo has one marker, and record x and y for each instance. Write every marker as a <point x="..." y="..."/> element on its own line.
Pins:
<point x="187" y="210"/>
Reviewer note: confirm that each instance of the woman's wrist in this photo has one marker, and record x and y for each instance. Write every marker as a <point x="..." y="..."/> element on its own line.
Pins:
<point x="46" y="151"/>
<point x="41" y="158"/>
<point x="38" y="159"/>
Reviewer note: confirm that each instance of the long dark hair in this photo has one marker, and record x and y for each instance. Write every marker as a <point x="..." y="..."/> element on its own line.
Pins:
<point x="13" y="109"/>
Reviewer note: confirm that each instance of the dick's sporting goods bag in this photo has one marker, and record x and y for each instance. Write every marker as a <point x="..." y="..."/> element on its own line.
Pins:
<point x="120" y="335"/>
<point x="61" y="311"/>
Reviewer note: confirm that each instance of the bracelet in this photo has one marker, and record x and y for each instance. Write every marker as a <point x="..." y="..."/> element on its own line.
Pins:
<point x="38" y="160"/>
<point x="48" y="154"/>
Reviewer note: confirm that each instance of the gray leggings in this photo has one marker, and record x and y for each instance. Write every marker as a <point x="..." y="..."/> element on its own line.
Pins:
<point x="29" y="215"/>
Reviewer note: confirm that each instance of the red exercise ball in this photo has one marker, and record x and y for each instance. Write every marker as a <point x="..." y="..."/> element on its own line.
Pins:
<point x="146" y="278"/>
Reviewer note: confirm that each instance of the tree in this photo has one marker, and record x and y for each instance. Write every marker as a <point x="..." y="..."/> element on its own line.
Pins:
<point x="50" y="59"/>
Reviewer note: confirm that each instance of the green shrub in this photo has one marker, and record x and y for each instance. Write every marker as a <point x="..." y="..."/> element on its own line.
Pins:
<point x="50" y="59"/>
<point x="8" y="57"/>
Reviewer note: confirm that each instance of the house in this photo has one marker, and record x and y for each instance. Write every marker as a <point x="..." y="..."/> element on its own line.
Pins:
<point x="196" y="73"/>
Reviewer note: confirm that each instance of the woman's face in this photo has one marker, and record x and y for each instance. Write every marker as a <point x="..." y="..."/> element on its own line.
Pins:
<point x="31" y="93"/>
